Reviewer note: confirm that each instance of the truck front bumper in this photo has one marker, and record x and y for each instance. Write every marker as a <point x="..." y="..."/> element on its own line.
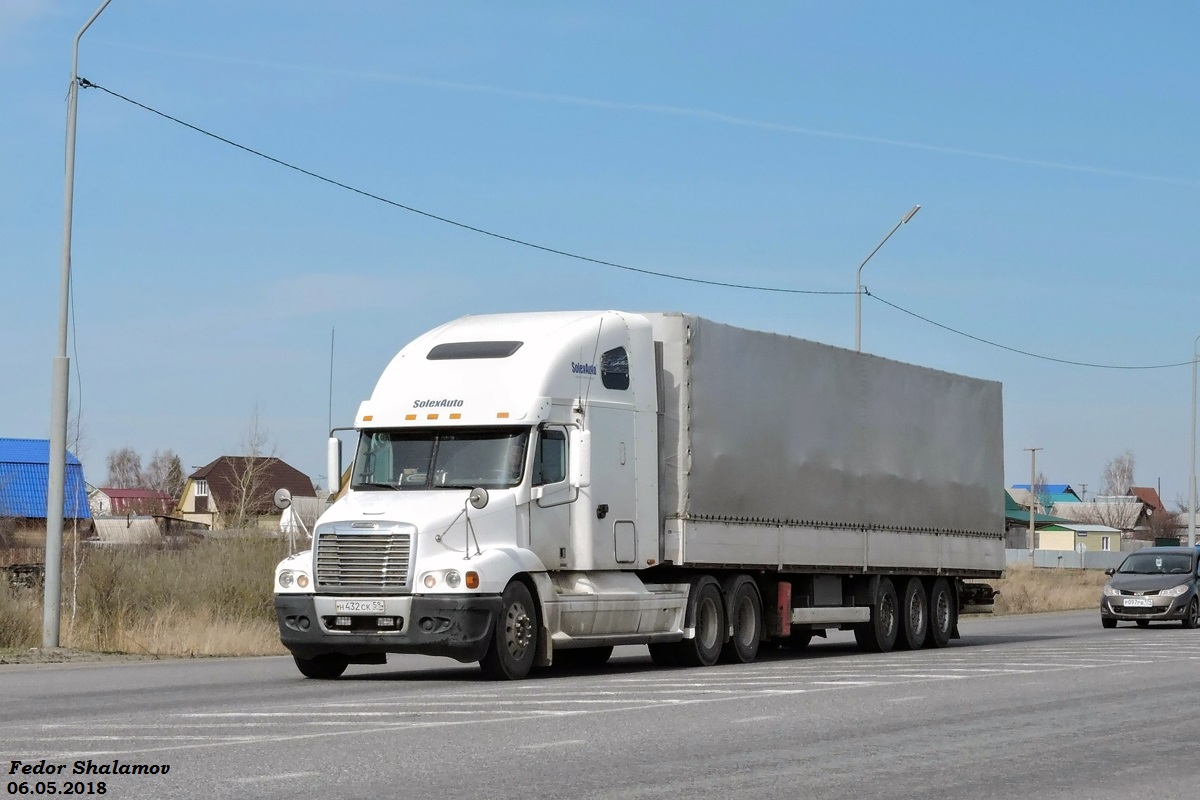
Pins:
<point x="458" y="626"/>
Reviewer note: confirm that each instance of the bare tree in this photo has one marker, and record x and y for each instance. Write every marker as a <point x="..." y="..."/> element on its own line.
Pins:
<point x="1118" y="475"/>
<point x="250" y="476"/>
<point x="124" y="469"/>
<point x="164" y="473"/>
<point x="1039" y="498"/>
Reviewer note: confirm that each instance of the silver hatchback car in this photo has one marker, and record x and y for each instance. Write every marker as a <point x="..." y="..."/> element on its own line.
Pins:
<point x="1153" y="584"/>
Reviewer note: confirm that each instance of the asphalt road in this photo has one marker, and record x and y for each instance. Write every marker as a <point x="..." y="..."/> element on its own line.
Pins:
<point x="1043" y="706"/>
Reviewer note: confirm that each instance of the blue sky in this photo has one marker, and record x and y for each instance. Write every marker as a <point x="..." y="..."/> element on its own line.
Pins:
<point x="1051" y="147"/>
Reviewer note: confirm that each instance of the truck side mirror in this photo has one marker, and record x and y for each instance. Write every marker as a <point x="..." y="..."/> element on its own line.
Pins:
<point x="579" y="458"/>
<point x="333" y="464"/>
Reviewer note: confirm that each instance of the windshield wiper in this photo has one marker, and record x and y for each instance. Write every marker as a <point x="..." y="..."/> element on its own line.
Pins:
<point x="356" y="487"/>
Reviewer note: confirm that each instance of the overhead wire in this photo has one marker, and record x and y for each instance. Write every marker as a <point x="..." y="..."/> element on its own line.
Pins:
<point x="86" y="84"/>
<point x="475" y="229"/>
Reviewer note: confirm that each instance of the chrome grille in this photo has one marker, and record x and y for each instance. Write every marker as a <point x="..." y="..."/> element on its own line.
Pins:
<point x="374" y="561"/>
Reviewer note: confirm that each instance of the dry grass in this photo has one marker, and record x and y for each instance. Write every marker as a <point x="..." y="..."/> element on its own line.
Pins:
<point x="215" y="599"/>
<point x="1025" y="590"/>
<point x="209" y="599"/>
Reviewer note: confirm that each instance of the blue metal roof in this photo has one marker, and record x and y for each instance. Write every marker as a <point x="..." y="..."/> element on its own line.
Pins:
<point x="1049" y="488"/>
<point x="25" y="478"/>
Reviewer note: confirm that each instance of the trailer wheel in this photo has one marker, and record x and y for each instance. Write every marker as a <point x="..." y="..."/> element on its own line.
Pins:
<point x="707" y="614"/>
<point x="943" y="614"/>
<point x="323" y="667"/>
<point x="879" y="635"/>
<point x="514" y="639"/>
<point x="914" y="616"/>
<point x="746" y="619"/>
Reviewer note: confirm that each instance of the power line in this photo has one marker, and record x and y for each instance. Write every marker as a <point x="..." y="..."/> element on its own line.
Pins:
<point x="89" y="85"/>
<point x="1016" y="350"/>
<point x="83" y="82"/>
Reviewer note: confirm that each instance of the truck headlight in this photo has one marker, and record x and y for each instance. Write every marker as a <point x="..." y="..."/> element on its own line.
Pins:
<point x="293" y="577"/>
<point x="453" y="579"/>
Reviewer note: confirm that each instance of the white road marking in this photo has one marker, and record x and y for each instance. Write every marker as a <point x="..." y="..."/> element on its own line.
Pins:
<point x="286" y="776"/>
<point x="547" y="745"/>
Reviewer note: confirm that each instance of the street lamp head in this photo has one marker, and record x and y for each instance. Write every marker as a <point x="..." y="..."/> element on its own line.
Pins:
<point x="912" y="213"/>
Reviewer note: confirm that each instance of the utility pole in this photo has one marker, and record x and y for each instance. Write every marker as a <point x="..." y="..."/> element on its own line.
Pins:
<point x="1032" y="502"/>
<point x="1083" y="495"/>
<point x="57" y="461"/>
<point x="858" y="285"/>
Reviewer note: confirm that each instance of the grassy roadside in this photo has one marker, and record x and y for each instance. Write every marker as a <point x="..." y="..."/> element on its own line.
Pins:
<point x="214" y="599"/>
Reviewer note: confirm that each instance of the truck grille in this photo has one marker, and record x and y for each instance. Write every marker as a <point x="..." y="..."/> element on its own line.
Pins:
<point x="365" y="561"/>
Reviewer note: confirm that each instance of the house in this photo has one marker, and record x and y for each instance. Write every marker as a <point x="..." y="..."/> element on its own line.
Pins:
<point x="25" y="478"/>
<point x="109" y="501"/>
<point x="1080" y="537"/>
<point x="1016" y="521"/>
<point x="239" y="491"/>
<point x="125" y="531"/>
<point x="1048" y="494"/>
<point x="1123" y="512"/>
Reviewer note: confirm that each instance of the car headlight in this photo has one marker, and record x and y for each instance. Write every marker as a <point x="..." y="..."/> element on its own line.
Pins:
<point x="1174" y="591"/>
<point x="1109" y="591"/>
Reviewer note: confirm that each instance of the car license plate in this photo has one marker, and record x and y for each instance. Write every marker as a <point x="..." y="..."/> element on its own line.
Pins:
<point x="1138" y="602"/>
<point x="359" y="606"/>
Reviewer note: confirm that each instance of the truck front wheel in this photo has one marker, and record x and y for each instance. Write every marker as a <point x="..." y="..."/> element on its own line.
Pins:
<point x="323" y="667"/>
<point x="514" y="639"/>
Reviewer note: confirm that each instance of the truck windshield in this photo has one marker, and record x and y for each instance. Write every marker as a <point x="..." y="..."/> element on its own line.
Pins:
<point x="493" y="458"/>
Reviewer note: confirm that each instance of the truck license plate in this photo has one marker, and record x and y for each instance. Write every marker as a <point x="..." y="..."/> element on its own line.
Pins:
<point x="1138" y="602"/>
<point x="358" y="606"/>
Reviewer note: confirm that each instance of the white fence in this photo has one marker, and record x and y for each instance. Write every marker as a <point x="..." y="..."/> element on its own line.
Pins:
<point x="1065" y="559"/>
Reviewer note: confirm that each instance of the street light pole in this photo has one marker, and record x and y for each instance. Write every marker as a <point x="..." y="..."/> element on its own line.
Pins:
<point x="55" y="486"/>
<point x="1032" y="533"/>
<point x="1192" y="477"/>
<point x="858" y="287"/>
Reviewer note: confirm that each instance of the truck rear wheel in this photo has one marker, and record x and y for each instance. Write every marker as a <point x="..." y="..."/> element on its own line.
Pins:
<point x="879" y="635"/>
<point x="514" y="638"/>
<point x="914" y="616"/>
<point x="943" y="614"/>
<point x="706" y="613"/>
<point x="323" y="667"/>
<point x="746" y="620"/>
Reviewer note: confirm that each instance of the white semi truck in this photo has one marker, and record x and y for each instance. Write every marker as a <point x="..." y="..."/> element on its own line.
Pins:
<point x="536" y="488"/>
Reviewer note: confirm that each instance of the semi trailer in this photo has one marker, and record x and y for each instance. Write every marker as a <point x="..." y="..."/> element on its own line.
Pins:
<point x="537" y="488"/>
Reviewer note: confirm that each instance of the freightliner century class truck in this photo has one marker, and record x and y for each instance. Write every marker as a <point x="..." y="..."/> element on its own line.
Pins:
<point x="536" y="488"/>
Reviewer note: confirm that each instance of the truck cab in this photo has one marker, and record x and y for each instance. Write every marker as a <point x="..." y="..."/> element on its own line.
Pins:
<point x="497" y="454"/>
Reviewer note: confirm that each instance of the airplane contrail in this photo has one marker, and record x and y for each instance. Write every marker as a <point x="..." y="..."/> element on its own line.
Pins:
<point x="655" y="108"/>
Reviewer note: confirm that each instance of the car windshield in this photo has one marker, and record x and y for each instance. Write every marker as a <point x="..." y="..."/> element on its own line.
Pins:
<point x="1156" y="564"/>
<point x="439" y="458"/>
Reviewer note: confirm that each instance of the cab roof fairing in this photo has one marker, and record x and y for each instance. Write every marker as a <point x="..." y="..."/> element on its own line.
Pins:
<point x="554" y="365"/>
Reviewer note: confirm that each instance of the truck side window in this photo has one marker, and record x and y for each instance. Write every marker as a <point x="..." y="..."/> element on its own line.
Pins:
<point x="550" y="458"/>
<point x="614" y="369"/>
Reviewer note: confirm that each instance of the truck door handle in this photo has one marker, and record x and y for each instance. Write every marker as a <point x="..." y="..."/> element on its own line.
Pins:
<point x="602" y="511"/>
